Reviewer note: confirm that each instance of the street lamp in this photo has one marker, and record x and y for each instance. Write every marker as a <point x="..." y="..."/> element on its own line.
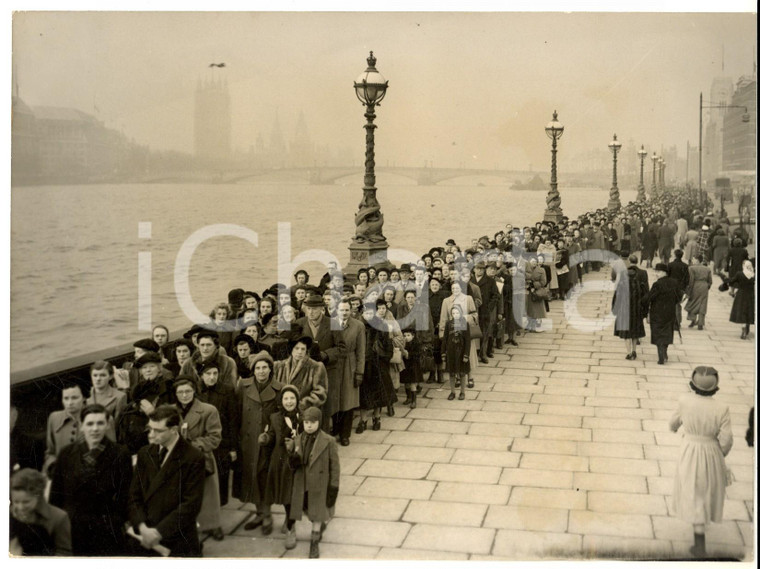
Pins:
<point x="614" y="203"/>
<point x="553" y="212"/>
<point x="642" y="197"/>
<point x="661" y="160"/>
<point x="709" y="105"/>
<point x="654" y="175"/>
<point x="369" y="246"/>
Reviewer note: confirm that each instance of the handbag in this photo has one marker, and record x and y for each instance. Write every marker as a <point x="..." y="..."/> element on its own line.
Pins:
<point x="474" y="326"/>
<point x="540" y="293"/>
<point x="396" y="357"/>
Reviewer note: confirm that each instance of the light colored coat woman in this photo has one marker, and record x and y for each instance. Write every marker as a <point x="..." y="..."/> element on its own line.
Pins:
<point x="202" y="428"/>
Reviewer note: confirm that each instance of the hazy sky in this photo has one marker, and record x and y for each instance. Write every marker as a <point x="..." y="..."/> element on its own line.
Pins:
<point x="476" y="88"/>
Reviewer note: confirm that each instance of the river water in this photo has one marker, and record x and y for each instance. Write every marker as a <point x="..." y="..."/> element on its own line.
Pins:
<point x="74" y="249"/>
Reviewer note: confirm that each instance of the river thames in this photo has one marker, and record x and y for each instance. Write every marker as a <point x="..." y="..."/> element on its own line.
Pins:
<point x="74" y="249"/>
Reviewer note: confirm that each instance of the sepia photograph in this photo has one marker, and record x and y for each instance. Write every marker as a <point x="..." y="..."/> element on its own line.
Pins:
<point x="380" y="283"/>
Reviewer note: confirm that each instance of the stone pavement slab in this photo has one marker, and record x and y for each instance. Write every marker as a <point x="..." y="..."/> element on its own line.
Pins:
<point x="536" y="545"/>
<point x="445" y="513"/>
<point x="443" y="538"/>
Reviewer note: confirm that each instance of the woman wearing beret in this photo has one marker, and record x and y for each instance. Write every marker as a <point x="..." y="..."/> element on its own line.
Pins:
<point x="259" y="395"/>
<point x="202" y="428"/>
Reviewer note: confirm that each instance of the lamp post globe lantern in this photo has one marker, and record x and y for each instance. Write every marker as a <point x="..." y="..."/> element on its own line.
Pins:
<point x="554" y="130"/>
<point x="642" y="195"/>
<point x="654" y="174"/>
<point x="369" y="246"/>
<point x="614" y="203"/>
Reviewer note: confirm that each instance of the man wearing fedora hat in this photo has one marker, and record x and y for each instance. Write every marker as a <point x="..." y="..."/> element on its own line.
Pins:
<point x="328" y="347"/>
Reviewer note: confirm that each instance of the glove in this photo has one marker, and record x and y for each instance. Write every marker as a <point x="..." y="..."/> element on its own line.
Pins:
<point x="289" y="445"/>
<point x="358" y="378"/>
<point x="332" y="496"/>
<point x="466" y="358"/>
<point x="263" y="439"/>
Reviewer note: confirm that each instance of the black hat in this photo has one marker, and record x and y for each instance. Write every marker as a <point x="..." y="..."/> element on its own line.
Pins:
<point x="313" y="301"/>
<point x="235" y="296"/>
<point x="196" y="328"/>
<point x="405" y="267"/>
<point x="306" y="340"/>
<point x="208" y="334"/>
<point x="210" y="364"/>
<point x="244" y="338"/>
<point x="661" y="267"/>
<point x="301" y="271"/>
<point x="147" y="358"/>
<point x="147" y="344"/>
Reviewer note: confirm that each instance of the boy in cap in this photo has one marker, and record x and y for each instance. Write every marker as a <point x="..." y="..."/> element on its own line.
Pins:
<point x="316" y="477"/>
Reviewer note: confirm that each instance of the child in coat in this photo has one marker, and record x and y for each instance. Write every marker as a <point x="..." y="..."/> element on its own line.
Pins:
<point x="316" y="476"/>
<point x="411" y="375"/>
<point x="701" y="474"/>
<point x="455" y="350"/>
<point x="286" y="425"/>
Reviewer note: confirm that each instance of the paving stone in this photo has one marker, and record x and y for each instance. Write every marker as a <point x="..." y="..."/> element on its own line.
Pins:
<point x="494" y="417"/>
<point x="404" y="553"/>
<point x="572" y="391"/>
<point x="576" y="410"/>
<point x="370" y="436"/>
<point x="349" y="484"/>
<point x="443" y="538"/>
<point x="564" y="399"/>
<point x="471" y="493"/>
<point x="445" y="513"/>
<point x="623" y="413"/>
<point x="425" y="426"/>
<point x="394" y="468"/>
<point x="418" y="439"/>
<point x="668" y="438"/>
<point x="553" y="420"/>
<point x="614" y="436"/>
<point x="660" y="485"/>
<point x="465" y="473"/>
<point x="548" y="498"/>
<point x="486" y="457"/>
<point x="609" y="482"/>
<point x="631" y="548"/>
<point x="396" y="488"/>
<point x="536" y="478"/>
<point x="506" y="396"/>
<point x="393" y="423"/>
<point x="436" y="414"/>
<point x="370" y="508"/>
<point x="560" y="433"/>
<point x="526" y="518"/>
<point x="612" y="423"/>
<point x="512" y="386"/>
<point x="525" y="545"/>
<point x="554" y="462"/>
<point x="740" y="491"/>
<point x="654" y="452"/>
<point x="425" y="454"/>
<point x="362" y="450"/>
<point x="339" y="551"/>
<point x="352" y="531"/>
<point x="568" y="379"/>
<point x="240" y="546"/>
<point x="626" y="503"/>
<point x="612" y="402"/>
<point x="624" y="466"/>
<point x="545" y="446"/>
<point x="604" y="523"/>
<point x="509" y="407"/>
<point x="575" y="368"/>
<point x="667" y="468"/>
<point x="349" y="465"/>
<point x="499" y="430"/>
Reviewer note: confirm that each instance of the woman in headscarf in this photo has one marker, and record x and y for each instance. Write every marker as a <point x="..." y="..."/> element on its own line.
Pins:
<point x="700" y="281"/>
<point x="743" y="309"/>
<point x="202" y="428"/>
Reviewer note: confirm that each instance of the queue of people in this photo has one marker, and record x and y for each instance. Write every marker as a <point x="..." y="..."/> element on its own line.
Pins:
<point x="262" y="393"/>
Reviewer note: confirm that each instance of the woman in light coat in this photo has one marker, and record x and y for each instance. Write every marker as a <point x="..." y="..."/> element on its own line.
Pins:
<point x="535" y="278"/>
<point x="700" y="281"/>
<point x="202" y="428"/>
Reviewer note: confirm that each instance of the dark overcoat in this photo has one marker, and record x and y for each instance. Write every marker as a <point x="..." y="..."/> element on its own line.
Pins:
<point x="315" y="475"/>
<point x="172" y="513"/>
<point x="743" y="308"/>
<point x="95" y="498"/>
<point x="627" y="305"/>
<point x="660" y="305"/>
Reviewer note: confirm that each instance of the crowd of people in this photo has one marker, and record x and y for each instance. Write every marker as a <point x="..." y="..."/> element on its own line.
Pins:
<point x="254" y="403"/>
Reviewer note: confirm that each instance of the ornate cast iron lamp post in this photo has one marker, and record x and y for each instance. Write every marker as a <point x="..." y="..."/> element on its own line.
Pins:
<point x="654" y="175"/>
<point x="614" y="203"/>
<point x="642" y="197"/>
<point x="553" y="211"/>
<point x="369" y="246"/>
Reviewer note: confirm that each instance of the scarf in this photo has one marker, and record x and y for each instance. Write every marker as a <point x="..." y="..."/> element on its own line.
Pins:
<point x="90" y="457"/>
<point x="183" y="409"/>
<point x="748" y="271"/>
<point x="292" y="422"/>
<point x="295" y="367"/>
<point x="308" y="444"/>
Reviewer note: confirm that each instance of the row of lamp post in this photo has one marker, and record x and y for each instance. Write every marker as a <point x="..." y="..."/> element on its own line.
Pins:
<point x="369" y="245"/>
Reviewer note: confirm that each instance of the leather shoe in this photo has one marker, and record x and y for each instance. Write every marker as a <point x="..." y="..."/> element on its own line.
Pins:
<point x="359" y="429"/>
<point x="391" y="410"/>
<point x="483" y="359"/>
<point x="345" y="442"/>
<point x="217" y="534"/>
<point x="254" y="523"/>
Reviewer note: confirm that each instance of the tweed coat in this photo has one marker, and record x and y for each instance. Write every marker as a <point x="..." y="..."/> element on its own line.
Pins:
<point x="343" y="395"/>
<point x="320" y="471"/>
